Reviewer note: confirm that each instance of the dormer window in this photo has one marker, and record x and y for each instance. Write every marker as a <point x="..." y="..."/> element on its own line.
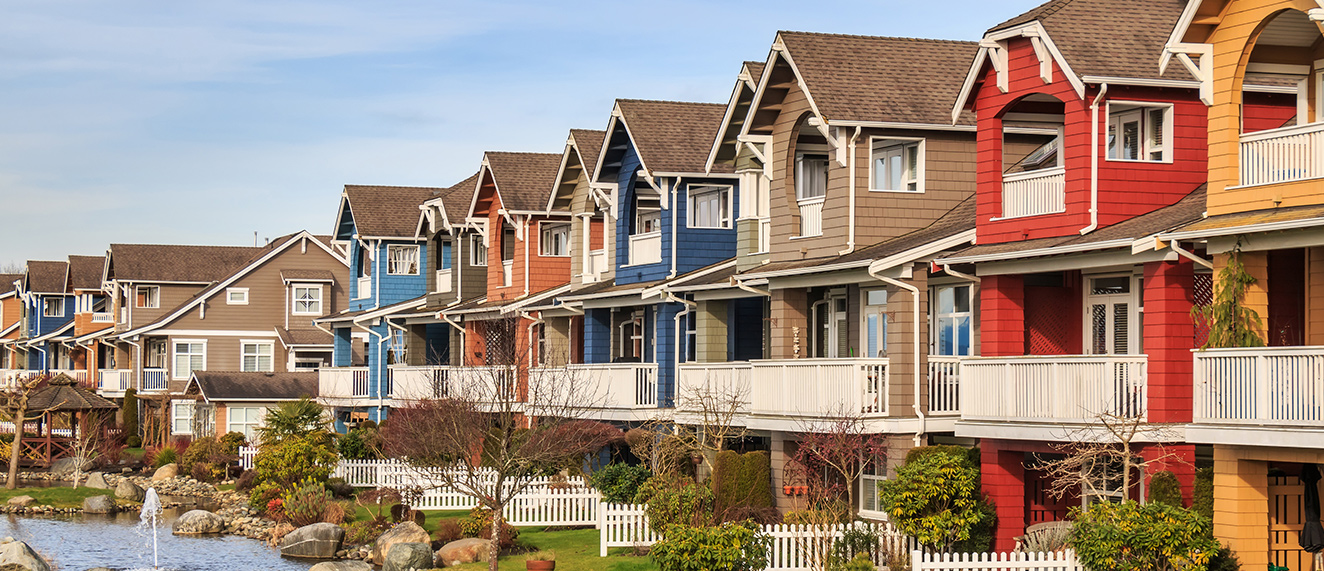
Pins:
<point x="1139" y="132"/>
<point x="402" y="260"/>
<point x="896" y="165"/>
<point x="710" y="206"/>
<point x="52" y="307"/>
<point x="811" y="172"/>
<point x="554" y="239"/>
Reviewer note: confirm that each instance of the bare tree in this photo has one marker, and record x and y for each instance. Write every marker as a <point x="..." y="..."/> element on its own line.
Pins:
<point x="88" y="434"/>
<point x="709" y="416"/>
<point x="832" y="455"/>
<point x="499" y="427"/>
<point x="1102" y="459"/>
<point x="11" y="268"/>
<point x="14" y="405"/>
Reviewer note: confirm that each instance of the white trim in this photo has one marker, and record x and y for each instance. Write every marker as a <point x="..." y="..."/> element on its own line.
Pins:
<point x="727" y="222"/>
<point x="743" y="81"/>
<point x="1246" y="229"/>
<point x="229" y="293"/>
<point x="1169" y="117"/>
<point x="933" y="247"/>
<point x="554" y="225"/>
<point x="243" y="354"/>
<point x="417" y="259"/>
<point x="137" y="287"/>
<point x="174" y="354"/>
<point x="995" y="42"/>
<point x="211" y="333"/>
<point x="294" y="298"/>
<point x="1037" y="252"/>
<point x="903" y="142"/>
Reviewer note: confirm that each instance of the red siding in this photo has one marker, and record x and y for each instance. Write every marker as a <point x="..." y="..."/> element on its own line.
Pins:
<point x="546" y="272"/>
<point x="1264" y="111"/>
<point x="1002" y="316"/>
<point x="1169" y="338"/>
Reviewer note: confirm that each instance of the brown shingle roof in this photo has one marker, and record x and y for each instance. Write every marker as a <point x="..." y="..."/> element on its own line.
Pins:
<point x="179" y="263"/>
<point x="1218" y="222"/>
<point x="386" y="211"/>
<point x="223" y="386"/>
<point x="673" y="136"/>
<point x="311" y="275"/>
<point x="755" y="69"/>
<point x="868" y="78"/>
<point x="456" y="199"/>
<point x="304" y="337"/>
<point x="67" y="397"/>
<point x="85" y="271"/>
<point x="7" y="282"/>
<point x="524" y="180"/>
<point x="589" y="143"/>
<point x="47" y="277"/>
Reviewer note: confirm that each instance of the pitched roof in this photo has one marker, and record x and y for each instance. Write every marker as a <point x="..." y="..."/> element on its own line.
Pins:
<point x="47" y="277"/>
<point x="673" y="136"/>
<point x="1109" y="38"/>
<point x="755" y="69"/>
<point x="307" y="275"/>
<point x="85" y="271"/>
<point x="231" y="385"/>
<point x="304" y="337"/>
<point x="456" y="199"/>
<point x="386" y="211"/>
<point x="524" y="179"/>
<point x="179" y="263"/>
<point x="1263" y="220"/>
<point x="7" y="282"/>
<point x="60" y="396"/>
<point x="589" y="143"/>
<point x="871" y="78"/>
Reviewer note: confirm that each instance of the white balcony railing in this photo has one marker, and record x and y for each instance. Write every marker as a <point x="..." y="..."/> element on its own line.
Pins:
<point x="114" y="380"/>
<point x="1282" y="155"/>
<point x="944" y="385"/>
<point x="819" y="388"/>
<point x="443" y="281"/>
<point x="507" y="272"/>
<point x="1275" y="386"/>
<point x="619" y="385"/>
<point x="363" y="289"/>
<point x="420" y="382"/>
<point x="154" y="380"/>
<point x="1053" y="388"/>
<point x="700" y="383"/>
<point x="811" y="217"/>
<point x="1035" y="192"/>
<point x="342" y="382"/>
<point x="103" y="318"/>
<point x="75" y="374"/>
<point x="9" y="376"/>
<point x="645" y="248"/>
<point x="597" y="264"/>
<point x="765" y="234"/>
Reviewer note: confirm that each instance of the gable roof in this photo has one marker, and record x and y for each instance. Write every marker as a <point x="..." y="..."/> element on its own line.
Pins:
<point x="453" y="202"/>
<point x="879" y="79"/>
<point x="589" y="144"/>
<point x="85" y="271"/>
<point x="582" y="148"/>
<point x="255" y="386"/>
<point x="523" y="180"/>
<point x="737" y="112"/>
<point x="177" y="263"/>
<point x="47" y="277"/>
<point x="386" y="211"/>
<point x="7" y="282"/>
<point x="672" y="136"/>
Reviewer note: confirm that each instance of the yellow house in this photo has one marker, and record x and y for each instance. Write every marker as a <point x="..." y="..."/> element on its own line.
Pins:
<point x="1261" y="409"/>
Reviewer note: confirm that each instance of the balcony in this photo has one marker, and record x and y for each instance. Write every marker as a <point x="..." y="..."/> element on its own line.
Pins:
<point x="618" y="385"/>
<point x="113" y="382"/>
<point x="440" y="381"/>
<point x="443" y="284"/>
<point x="645" y="248"/>
<point x="154" y="380"/>
<point x="944" y="385"/>
<point x="787" y="394"/>
<point x="1260" y="394"/>
<point x="698" y="383"/>
<point x="363" y="288"/>
<point x="1035" y="192"/>
<point x="9" y="376"/>
<point x="811" y="217"/>
<point x="342" y="383"/>
<point x="1282" y="155"/>
<point x="77" y="375"/>
<point x="507" y="272"/>
<point x="596" y="266"/>
<point x="1052" y="389"/>
<point x="103" y="317"/>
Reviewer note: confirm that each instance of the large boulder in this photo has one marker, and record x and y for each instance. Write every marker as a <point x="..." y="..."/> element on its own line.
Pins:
<point x="99" y="505"/>
<point x="347" y="565"/>
<point x="316" y="541"/>
<point x="408" y="557"/>
<point x="19" y="556"/>
<point x="198" y="522"/>
<point x="407" y="532"/>
<point x="97" y="480"/>
<point x="22" y="501"/>
<point x="130" y="491"/>
<point x="166" y="472"/>
<point x="466" y="550"/>
<point x="67" y="466"/>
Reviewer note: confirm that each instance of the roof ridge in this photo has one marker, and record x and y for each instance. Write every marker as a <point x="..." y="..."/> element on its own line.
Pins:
<point x="672" y="101"/>
<point x="1038" y="13"/>
<point x="187" y="245"/>
<point x="864" y="37"/>
<point x="517" y="153"/>
<point x="347" y="186"/>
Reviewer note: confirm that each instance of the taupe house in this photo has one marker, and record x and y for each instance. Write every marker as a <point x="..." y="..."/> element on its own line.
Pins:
<point x="457" y="268"/>
<point x="232" y="401"/>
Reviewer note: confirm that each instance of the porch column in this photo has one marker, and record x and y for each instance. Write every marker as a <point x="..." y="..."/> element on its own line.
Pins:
<point x="711" y="331"/>
<point x="1169" y="337"/>
<point x="556" y="341"/>
<point x="1241" y="506"/>
<point x="790" y="324"/>
<point x="1002" y="475"/>
<point x="1002" y="316"/>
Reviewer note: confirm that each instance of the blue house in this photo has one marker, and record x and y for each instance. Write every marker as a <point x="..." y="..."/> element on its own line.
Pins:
<point x="48" y="314"/>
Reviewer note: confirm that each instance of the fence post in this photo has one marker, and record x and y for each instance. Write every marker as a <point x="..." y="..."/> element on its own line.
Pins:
<point x="602" y="530"/>
<point x="916" y="560"/>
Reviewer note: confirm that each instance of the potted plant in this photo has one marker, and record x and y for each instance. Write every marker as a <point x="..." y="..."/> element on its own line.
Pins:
<point x="541" y="561"/>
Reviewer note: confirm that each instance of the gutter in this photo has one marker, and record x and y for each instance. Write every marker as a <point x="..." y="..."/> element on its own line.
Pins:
<point x="914" y="292"/>
<point x="751" y="289"/>
<point x="675" y="208"/>
<point x="1094" y="160"/>
<point x="850" y="174"/>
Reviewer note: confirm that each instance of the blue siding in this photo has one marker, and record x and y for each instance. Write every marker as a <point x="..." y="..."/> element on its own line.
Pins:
<point x="344" y="348"/>
<point x="597" y="336"/>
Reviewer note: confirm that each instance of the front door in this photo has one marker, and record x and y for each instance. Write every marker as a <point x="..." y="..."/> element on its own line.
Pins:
<point x="1111" y="316"/>
<point x="830" y="331"/>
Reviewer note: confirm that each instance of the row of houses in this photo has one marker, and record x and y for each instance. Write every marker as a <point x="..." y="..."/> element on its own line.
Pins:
<point x="992" y="243"/>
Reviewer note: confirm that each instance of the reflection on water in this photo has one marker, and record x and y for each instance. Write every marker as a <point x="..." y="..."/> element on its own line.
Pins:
<point x="78" y="542"/>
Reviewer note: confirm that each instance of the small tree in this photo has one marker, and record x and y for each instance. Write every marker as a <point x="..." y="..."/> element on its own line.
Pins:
<point x="1231" y="323"/>
<point x="88" y="435"/>
<point x="129" y="412"/>
<point x="935" y="498"/>
<point x="302" y="418"/>
<point x="834" y="454"/>
<point x="15" y="407"/>
<point x="712" y="417"/>
<point x="1128" y="536"/>
<point x="1102" y="459"/>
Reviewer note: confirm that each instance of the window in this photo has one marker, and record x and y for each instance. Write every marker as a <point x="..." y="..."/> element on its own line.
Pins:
<point x="554" y="240"/>
<point x="181" y="417"/>
<point x="245" y="419"/>
<point x="710" y="206"/>
<point x="896" y="166"/>
<point x="402" y="260"/>
<point x="257" y="356"/>
<point x="1139" y="132"/>
<point x="396" y="347"/>
<point x="365" y="261"/>
<point x="445" y="251"/>
<point x="875" y="323"/>
<point x="52" y="307"/>
<point x="508" y="244"/>
<point x="952" y="322"/>
<point x="811" y="172"/>
<point x="307" y="300"/>
<point x="648" y="215"/>
<point x="148" y="296"/>
<point x="189" y="356"/>
<point x="631" y="349"/>
<point x="1109" y="315"/>
<point x="236" y="296"/>
<point x="477" y="250"/>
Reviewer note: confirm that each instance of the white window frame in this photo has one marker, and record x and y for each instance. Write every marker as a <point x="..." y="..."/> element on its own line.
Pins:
<point x="1120" y="110"/>
<point x="935" y="302"/>
<point x="294" y="299"/>
<point x="724" y="200"/>
<point x="477" y="250"/>
<point x="175" y="416"/>
<point x="249" y="427"/>
<point x="406" y="255"/>
<point x="899" y="145"/>
<point x="48" y="304"/>
<point x="1135" y="322"/>
<point x="230" y="294"/>
<point x="546" y="231"/>
<point x="175" y="372"/>
<point x="152" y="301"/>
<point x="257" y="355"/>
<point x="800" y="185"/>
<point x="879" y="312"/>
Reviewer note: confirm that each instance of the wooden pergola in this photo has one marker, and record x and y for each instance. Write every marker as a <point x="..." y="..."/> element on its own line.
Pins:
<point x="62" y="398"/>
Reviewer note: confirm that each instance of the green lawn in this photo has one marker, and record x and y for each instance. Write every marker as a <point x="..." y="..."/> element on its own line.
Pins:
<point x="56" y="496"/>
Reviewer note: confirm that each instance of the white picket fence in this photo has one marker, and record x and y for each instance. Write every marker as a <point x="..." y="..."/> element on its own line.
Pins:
<point x="246" y="456"/>
<point x="623" y="525"/>
<point x="1053" y="561"/>
<point x="397" y="473"/>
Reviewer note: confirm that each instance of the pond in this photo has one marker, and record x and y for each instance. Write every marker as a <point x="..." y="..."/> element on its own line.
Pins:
<point x="79" y="542"/>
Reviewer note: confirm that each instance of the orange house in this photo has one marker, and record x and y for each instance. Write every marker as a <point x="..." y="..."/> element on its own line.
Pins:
<point x="11" y="317"/>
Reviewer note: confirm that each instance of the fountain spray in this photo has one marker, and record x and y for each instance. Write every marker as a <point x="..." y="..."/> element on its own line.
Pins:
<point x="149" y="516"/>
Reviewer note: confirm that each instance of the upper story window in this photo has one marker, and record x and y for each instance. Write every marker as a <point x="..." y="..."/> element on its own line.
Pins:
<point x="507" y="244"/>
<point x="896" y="165"/>
<point x="189" y="356"/>
<point x="648" y="215"/>
<point x="307" y="300"/>
<point x="952" y="320"/>
<point x="1139" y="132"/>
<point x="554" y="239"/>
<point x="444" y="255"/>
<point x="52" y="307"/>
<point x="477" y="250"/>
<point x="875" y="323"/>
<point x="402" y="260"/>
<point x="148" y="296"/>
<point x="365" y="261"/>
<point x="236" y="296"/>
<point x="811" y="176"/>
<point x="710" y="206"/>
<point x="258" y="356"/>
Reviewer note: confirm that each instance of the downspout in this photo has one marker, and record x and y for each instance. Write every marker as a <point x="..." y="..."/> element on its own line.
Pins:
<point x="1094" y="160"/>
<point x="138" y="349"/>
<point x="749" y="288"/>
<point x="459" y="328"/>
<point x="968" y="277"/>
<point x="850" y="176"/>
<point x="690" y="306"/>
<point x="914" y="292"/>
<point x="1190" y="255"/>
<point x="527" y="261"/>
<point x="674" y="208"/>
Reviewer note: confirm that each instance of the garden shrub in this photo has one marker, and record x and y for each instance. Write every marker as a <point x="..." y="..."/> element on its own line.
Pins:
<point x="358" y="444"/>
<point x="129" y="412"/>
<point x="1165" y="489"/>
<point x="730" y="546"/>
<point x="306" y="504"/>
<point x="981" y="535"/>
<point x="246" y="481"/>
<point x="1204" y="493"/>
<point x="676" y="500"/>
<point x="479" y="524"/>
<point x="1128" y="536"/>
<point x="448" y="531"/>
<point x="853" y="544"/>
<point x="159" y="457"/>
<point x="262" y="494"/>
<point x="232" y="441"/>
<point x="362" y="532"/>
<point x="340" y="487"/>
<point x="860" y="562"/>
<point x="206" y="459"/>
<point x="619" y="483"/>
<point x="971" y="454"/>
<point x="294" y="459"/>
<point x="935" y="497"/>
<point x="742" y="485"/>
<point x="1224" y="560"/>
<point x="337" y="513"/>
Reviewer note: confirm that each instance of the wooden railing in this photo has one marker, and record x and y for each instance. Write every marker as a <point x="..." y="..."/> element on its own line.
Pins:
<point x="819" y="388"/>
<point x="1053" y="388"/>
<point x="597" y="264"/>
<point x="103" y="318"/>
<point x="811" y="217"/>
<point x="1035" y="192"/>
<point x="619" y="385"/>
<point x="75" y="374"/>
<point x="698" y="383"/>
<point x="1282" y="155"/>
<point x="1274" y="386"/>
<point x="645" y="248"/>
<point x="944" y="385"/>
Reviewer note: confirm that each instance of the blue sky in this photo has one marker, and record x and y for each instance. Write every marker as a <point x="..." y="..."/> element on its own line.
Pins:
<point x="203" y="122"/>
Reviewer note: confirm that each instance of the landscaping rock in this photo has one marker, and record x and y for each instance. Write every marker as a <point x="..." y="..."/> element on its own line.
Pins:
<point x="97" y="480"/>
<point x="130" y="491"/>
<point x="66" y="466"/>
<point x="22" y="501"/>
<point x="408" y="557"/>
<point x="197" y="522"/>
<point x="350" y="565"/>
<point x="408" y="532"/>
<point x="466" y="550"/>
<point x="166" y="472"/>
<point x="19" y="556"/>
<point x="316" y="541"/>
<point x="99" y="505"/>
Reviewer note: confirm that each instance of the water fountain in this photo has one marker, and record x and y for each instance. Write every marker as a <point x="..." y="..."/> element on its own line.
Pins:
<point x="148" y="517"/>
